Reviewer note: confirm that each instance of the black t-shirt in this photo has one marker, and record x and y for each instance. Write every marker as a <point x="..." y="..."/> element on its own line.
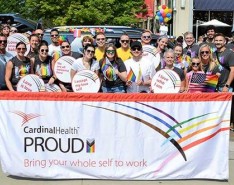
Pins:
<point x="121" y="68"/>
<point x="76" y="55"/>
<point x="191" y="52"/>
<point x="180" y="72"/>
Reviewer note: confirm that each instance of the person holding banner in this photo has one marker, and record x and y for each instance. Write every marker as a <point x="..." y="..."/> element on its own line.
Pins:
<point x="169" y="58"/>
<point x="17" y="67"/>
<point x="42" y="64"/>
<point x="86" y="62"/>
<point x="113" y="71"/>
<point x="140" y="71"/>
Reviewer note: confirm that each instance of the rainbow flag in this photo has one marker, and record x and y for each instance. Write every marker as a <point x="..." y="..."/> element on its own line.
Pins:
<point x="211" y="82"/>
<point x="131" y="76"/>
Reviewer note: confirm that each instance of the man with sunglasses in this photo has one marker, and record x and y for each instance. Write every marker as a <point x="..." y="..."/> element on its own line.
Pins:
<point x="4" y="58"/>
<point x="124" y="51"/>
<point x="54" y="47"/>
<point x="139" y="69"/>
<point x="101" y="43"/>
<point x="225" y="58"/>
<point x="66" y="50"/>
<point x="40" y="34"/>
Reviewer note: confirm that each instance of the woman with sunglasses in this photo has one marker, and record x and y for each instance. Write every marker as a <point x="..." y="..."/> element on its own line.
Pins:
<point x="42" y="64"/>
<point x="86" y="62"/>
<point x="208" y="64"/>
<point x="113" y="70"/>
<point x="17" y="67"/>
<point x="160" y="49"/>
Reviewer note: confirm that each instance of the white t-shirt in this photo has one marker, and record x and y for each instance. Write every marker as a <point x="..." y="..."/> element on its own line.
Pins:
<point x="151" y="53"/>
<point x="147" y="72"/>
<point x="78" y="65"/>
<point x="53" y="48"/>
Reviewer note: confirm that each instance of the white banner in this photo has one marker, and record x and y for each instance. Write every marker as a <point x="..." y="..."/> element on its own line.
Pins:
<point x="97" y="136"/>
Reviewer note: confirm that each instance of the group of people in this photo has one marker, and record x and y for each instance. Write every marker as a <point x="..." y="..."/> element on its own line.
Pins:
<point x="129" y="68"/>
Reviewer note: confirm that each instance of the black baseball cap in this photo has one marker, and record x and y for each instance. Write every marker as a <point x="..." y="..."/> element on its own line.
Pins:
<point x="136" y="44"/>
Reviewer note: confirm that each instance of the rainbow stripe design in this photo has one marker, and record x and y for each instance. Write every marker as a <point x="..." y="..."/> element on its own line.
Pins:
<point x="62" y="39"/>
<point x="56" y="55"/>
<point x="211" y="82"/>
<point x="90" y="145"/>
<point x="46" y="70"/>
<point x="24" y="70"/>
<point x="131" y="76"/>
<point x="109" y="73"/>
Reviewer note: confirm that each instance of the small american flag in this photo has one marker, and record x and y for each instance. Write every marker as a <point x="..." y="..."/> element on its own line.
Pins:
<point x="197" y="82"/>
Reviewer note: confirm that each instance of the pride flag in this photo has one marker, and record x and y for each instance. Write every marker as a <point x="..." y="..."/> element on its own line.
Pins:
<point x="131" y="76"/>
<point x="211" y="82"/>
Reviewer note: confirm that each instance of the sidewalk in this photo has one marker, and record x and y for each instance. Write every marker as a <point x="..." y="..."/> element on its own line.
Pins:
<point x="4" y="180"/>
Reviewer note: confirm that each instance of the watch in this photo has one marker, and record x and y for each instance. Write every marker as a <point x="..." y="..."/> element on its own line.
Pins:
<point x="226" y="85"/>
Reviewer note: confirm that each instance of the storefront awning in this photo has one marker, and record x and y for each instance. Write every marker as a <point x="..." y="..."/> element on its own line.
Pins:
<point x="214" y="5"/>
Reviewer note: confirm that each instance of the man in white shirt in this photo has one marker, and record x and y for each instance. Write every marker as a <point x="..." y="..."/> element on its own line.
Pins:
<point x="54" y="47"/>
<point x="140" y="70"/>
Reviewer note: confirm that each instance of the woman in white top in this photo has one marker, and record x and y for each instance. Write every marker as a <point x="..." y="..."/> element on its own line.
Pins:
<point x="86" y="62"/>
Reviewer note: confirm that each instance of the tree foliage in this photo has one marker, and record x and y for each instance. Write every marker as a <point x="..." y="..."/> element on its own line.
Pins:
<point x="77" y="12"/>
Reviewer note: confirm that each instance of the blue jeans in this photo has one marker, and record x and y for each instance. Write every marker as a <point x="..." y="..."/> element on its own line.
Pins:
<point x="221" y="88"/>
<point x="119" y="89"/>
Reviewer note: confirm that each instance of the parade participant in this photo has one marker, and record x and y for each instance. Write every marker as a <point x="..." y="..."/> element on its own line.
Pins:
<point x="113" y="71"/>
<point x="86" y="62"/>
<point x="139" y="70"/>
<point x="66" y="50"/>
<point x="194" y="67"/>
<point x="208" y="64"/>
<point x="160" y="49"/>
<point x="191" y="50"/>
<point x="17" y="67"/>
<point x="124" y="51"/>
<point x="210" y="32"/>
<point x="40" y="34"/>
<point x="101" y="42"/>
<point x="4" y="57"/>
<point x="13" y="30"/>
<point x="146" y="37"/>
<point x="225" y="58"/>
<point x="42" y="64"/>
<point x="87" y="40"/>
<point x="180" y="61"/>
<point x="34" y="42"/>
<point x="169" y="58"/>
<point x="6" y="30"/>
<point x="54" y="46"/>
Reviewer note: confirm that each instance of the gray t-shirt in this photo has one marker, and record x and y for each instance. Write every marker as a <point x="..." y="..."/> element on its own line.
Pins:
<point x="4" y="58"/>
<point x="226" y="60"/>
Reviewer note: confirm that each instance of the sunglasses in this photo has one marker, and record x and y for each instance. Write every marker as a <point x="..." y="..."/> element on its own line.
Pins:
<point x="100" y="39"/>
<point x="147" y="37"/>
<point x="3" y="41"/>
<point x="110" y="51"/>
<point x="136" y="49"/>
<point x="14" y="31"/>
<point x="56" y="35"/>
<point x="19" y="49"/>
<point x="205" y="52"/>
<point x="40" y="34"/>
<point x="90" y="51"/>
<point x="125" y="41"/>
<point x="67" y="46"/>
<point x="44" y="50"/>
<point x="195" y="64"/>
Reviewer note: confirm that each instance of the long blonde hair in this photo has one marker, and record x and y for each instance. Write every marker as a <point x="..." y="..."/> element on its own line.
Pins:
<point x="212" y="62"/>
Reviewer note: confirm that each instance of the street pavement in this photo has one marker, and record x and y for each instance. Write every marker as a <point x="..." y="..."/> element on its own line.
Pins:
<point x="9" y="180"/>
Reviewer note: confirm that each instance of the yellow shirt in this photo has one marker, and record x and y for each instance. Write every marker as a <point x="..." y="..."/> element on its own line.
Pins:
<point x="99" y="54"/>
<point x="124" y="55"/>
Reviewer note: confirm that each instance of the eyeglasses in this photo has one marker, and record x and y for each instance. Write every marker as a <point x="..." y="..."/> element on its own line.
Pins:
<point x="55" y="35"/>
<point x="40" y="34"/>
<point x="125" y="41"/>
<point x="146" y="37"/>
<point x="90" y="51"/>
<point x="44" y="50"/>
<point x="21" y="49"/>
<point x="136" y="49"/>
<point x="3" y="41"/>
<point x="195" y="64"/>
<point x="14" y="31"/>
<point x="205" y="52"/>
<point x="67" y="46"/>
<point x="100" y="39"/>
<point x="110" y="51"/>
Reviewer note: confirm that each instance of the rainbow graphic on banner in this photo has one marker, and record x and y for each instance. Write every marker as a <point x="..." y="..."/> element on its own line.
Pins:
<point x="131" y="76"/>
<point x="90" y="145"/>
